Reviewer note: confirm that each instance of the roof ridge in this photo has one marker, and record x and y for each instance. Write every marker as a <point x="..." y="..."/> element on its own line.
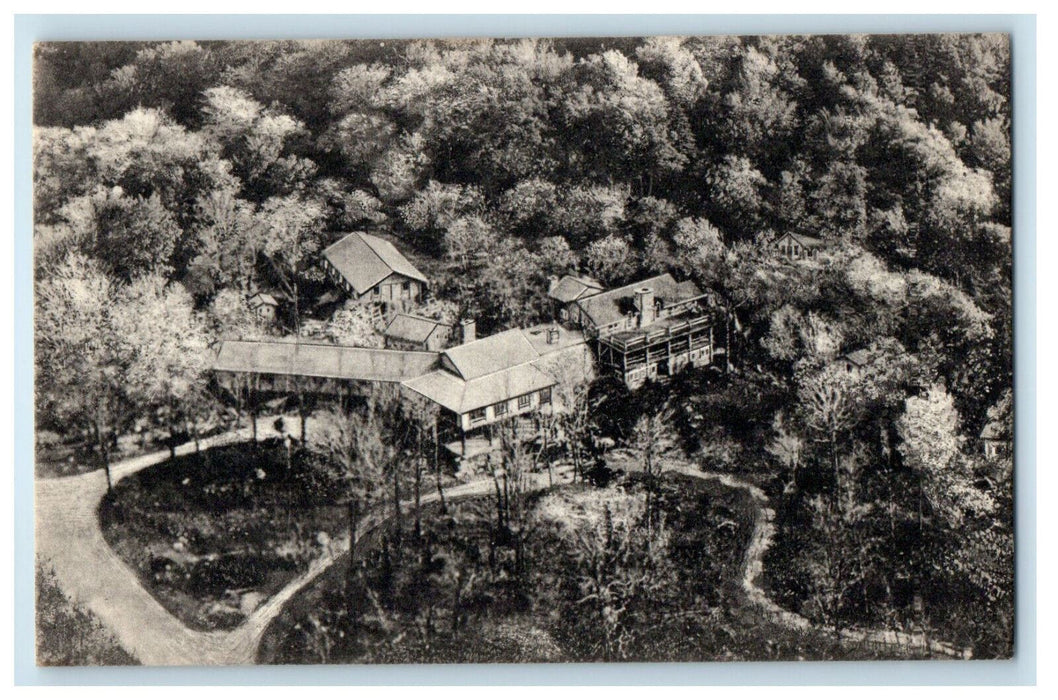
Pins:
<point x="318" y="344"/>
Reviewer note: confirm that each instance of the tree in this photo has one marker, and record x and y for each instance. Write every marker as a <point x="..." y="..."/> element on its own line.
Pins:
<point x="699" y="250"/>
<point x="829" y="408"/>
<point x="573" y="405"/>
<point x="653" y="439"/>
<point x="168" y="353"/>
<point x="930" y="445"/>
<point x="621" y="567"/>
<point x="80" y="358"/>
<point x="610" y="259"/>
<point x="291" y="238"/>
<point x="133" y="235"/>
<point x="229" y="238"/>
<point x="349" y="444"/>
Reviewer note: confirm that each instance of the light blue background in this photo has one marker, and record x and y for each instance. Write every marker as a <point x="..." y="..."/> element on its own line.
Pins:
<point x="1022" y="670"/>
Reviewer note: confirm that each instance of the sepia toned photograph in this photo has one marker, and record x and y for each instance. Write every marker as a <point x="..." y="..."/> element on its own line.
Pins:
<point x="451" y="351"/>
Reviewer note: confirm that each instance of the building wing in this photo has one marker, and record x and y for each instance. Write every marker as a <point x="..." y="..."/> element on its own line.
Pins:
<point x="491" y="354"/>
<point x="462" y="396"/>
<point x="322" y="361"/>
<point x="571" y="288"/>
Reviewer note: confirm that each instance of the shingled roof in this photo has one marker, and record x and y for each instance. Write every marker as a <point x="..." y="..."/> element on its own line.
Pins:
<point x="805" y="241"/>
<point x="491" y="354"/>
<point x="415" y="329"/>
<point x="461" y="396"/>
<point x="322" y="360"/>
<point x="365" y="260"/>
<point x="571" y="288"/>
<point x="611" y="306"/>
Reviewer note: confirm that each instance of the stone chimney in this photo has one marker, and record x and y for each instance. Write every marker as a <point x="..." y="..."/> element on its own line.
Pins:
<point x="468" y="330"/>
<point x="645" y="305"/>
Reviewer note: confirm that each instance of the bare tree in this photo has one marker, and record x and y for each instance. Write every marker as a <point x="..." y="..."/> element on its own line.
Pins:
<point x="653" y="439"/>
<point x="349" y="444"/>
<point x="829" y="409"/>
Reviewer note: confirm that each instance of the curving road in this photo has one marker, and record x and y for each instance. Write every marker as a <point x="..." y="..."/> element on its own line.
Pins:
<point x="69" y="539"/>
<point x="753" y="567"/>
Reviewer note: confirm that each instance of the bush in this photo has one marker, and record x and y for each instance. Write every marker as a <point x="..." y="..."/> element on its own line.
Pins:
<point x="69" y="635"/>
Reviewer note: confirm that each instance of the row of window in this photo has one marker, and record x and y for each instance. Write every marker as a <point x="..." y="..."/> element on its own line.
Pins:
<point x="501" y="408"/>
<point x="405" y="287"/>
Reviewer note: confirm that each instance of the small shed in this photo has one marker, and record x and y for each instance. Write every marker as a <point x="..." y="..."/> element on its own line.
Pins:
<point x="995" y="439"/>
<point x="410" y="332"/>
<point x="263" y="305"/>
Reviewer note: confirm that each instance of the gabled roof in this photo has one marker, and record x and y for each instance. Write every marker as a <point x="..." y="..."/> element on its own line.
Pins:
<point x="262" y="299"/>
<point x="460" y="396"/>
<point x="491" y="354"/>
<point x="860" y="357"/>
<point x="365" y="260"/>
<point x="805" y="241"/>
<point x="322" y="360"/>
<point x="611" y="306"/>
<point x="571" y="288"/>
<point x="412" y="328"/>
<point x="995" y="430"/>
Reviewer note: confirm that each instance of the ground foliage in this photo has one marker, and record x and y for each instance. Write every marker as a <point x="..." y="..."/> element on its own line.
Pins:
<point x="69" y="635"/>
<point x="172" y="180"/>
<point x="457" y="596"/>
<point x="212" y="535"/>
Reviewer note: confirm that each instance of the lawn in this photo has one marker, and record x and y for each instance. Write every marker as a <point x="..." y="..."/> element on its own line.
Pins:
<point x="213" y="535"/>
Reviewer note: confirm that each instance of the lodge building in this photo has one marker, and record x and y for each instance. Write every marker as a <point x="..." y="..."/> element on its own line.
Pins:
<point x="650" y="329"/>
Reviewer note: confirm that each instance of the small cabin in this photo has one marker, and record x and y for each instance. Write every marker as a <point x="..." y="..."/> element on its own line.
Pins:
<point x="264" y="306"/>
<point x="854" y="362"/>
<point x="371" y="270"/>
<point x="795" y="246"/>
<point x="995" y="440"/>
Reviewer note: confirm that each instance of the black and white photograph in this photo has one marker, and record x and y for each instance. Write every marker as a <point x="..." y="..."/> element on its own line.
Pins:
<point x="450" y="351"/>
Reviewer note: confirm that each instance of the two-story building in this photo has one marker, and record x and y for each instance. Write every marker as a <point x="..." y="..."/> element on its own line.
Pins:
<point x="371" y="270"/>
<point x="649" y="329"/>
<point x="493" y="379"/>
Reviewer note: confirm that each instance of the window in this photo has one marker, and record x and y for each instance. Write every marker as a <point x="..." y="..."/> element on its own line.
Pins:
<point x="523" y="401"/>
<point x="375" y="291"/>
<point x="406" y="286"/>
<point x="500" y="408"/>
<point x="545" y="395"/>
<point x="477" y="415"/>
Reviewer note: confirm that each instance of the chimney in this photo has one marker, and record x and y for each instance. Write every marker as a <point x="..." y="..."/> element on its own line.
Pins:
<point x="552" y="335"/>
<point x="645" y="305"/>
<point x="468" y="331"/>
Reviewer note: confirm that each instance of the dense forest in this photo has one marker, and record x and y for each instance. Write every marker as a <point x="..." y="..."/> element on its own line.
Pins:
<point x="173" y="180"/>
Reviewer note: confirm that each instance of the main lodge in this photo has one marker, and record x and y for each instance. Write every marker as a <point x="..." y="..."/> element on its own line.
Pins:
<point x="650" y="329"/>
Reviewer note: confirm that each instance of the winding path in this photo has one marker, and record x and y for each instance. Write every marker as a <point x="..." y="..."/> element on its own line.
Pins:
<point x="753" y="568"/>
<point x="69" y="540"/>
